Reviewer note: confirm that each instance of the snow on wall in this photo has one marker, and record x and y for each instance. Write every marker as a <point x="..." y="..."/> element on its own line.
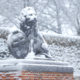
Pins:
<point x="65" y="48"/>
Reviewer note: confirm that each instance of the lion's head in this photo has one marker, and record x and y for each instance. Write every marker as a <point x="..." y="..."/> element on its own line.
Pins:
<point x="28" y="20"/>
<point x="28" y="14"/>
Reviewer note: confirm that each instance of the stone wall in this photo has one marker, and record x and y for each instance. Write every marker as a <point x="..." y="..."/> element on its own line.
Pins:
<point x="36" y="69"/>
<point x="26" y="75"/>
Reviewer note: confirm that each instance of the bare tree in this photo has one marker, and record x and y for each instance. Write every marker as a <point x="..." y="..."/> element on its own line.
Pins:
<point x="53" y="14"/>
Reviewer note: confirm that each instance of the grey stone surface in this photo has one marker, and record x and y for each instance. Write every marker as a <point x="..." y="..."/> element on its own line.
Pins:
<point x="46" y="68"/>
<point x="29" y="65"/>
<point x="33" y="61"/>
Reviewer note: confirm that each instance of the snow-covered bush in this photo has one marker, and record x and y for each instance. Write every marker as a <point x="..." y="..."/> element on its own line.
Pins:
<point x="4" y="50"/>
<point x="65" y="49"/>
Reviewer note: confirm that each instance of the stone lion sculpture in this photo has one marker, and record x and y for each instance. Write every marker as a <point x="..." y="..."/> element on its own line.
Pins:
<point x="28" y="24"/>
<point x="24" y="40"/>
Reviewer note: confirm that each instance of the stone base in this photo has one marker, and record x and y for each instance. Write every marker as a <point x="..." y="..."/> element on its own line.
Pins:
<point x="21" y="69"/>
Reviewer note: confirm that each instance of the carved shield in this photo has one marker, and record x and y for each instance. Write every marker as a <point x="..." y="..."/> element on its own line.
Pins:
<point x="18" y="46"/>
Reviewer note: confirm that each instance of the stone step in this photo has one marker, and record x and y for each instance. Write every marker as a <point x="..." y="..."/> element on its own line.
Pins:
<point x="33" y="61"/>
<point x="34" y="66"/>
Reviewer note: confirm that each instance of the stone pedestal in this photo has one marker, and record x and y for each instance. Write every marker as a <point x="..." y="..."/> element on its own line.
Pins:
<point x="21" y="69"/>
